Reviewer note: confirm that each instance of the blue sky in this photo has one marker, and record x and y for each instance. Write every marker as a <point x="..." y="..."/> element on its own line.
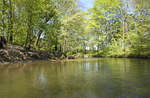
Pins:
<point x="85" y="4"/>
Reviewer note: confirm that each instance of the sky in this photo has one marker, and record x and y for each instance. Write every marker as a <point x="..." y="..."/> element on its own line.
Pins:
<point x="85" y="4"/>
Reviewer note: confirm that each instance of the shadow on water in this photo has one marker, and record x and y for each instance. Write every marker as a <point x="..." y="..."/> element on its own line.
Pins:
<point x="84" y="78"/>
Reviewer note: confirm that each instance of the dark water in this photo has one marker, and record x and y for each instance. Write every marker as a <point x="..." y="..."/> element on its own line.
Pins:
<point x="84" y="78"/>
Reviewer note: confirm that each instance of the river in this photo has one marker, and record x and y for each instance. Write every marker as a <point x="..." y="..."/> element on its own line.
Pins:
<point x="81" y="78"/>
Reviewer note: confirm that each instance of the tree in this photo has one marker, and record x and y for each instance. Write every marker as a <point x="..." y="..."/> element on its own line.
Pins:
<point x="115" y="23"/>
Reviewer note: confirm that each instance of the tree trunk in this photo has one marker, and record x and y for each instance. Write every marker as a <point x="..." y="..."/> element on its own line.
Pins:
<point x="123" y="35"/>
<point x="38" y="38"/>
<point x="47" y="18"/>
<point x="10" y="23"/>
<point x="3" y="18"/>
<point x="3" y="42"/>
<point x="28" y="38"/>
<point x="40" y="32"/>
<point x="29" y="30"/>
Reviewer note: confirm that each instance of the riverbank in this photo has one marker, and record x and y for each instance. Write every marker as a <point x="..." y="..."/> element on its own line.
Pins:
<point x="15" y="53"/>
<point x="140" y="57"/>
<point x="126" y="55"/>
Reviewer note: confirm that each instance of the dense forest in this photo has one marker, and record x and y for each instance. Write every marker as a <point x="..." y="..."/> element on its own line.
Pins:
<point x="112" y="28"/>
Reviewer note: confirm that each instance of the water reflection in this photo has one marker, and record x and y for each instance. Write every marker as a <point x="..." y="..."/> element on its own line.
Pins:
<point x="96" y="67"/>
<point x="42" y="80"/>
<point x="91" y="66"/>
<point x="90" y="78"/>
<point x="87" y="66"/>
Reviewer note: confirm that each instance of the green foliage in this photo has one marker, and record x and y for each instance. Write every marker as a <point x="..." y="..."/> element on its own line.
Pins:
<point x="118" y="28"/>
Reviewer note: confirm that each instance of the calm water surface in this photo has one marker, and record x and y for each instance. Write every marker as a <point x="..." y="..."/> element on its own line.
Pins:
<point x="84" y="78"/>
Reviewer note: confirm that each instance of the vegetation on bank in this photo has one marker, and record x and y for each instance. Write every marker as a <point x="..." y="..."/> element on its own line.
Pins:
<point x="121" y="28"/>
<point x="118" y="28"/>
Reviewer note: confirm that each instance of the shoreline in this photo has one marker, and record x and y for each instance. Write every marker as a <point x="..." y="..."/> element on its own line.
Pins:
<point x="58" y="59"/>
<point x="16" y="54"/>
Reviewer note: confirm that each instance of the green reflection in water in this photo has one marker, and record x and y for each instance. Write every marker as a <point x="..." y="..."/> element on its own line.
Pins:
<point x="83" y="78"/>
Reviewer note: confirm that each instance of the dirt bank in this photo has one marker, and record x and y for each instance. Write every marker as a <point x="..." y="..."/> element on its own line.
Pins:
<point x="15" y="53"/>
